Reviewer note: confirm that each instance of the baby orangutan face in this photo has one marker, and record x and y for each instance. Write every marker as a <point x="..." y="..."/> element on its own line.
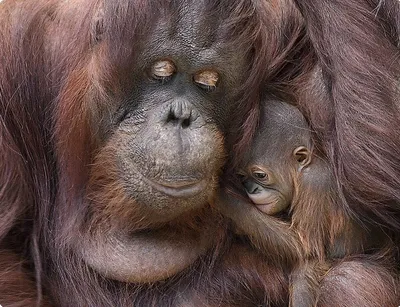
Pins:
<point x="272" y="169"/>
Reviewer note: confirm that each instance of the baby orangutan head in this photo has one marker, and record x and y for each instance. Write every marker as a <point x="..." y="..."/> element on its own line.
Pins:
<point x="280" y="153"/>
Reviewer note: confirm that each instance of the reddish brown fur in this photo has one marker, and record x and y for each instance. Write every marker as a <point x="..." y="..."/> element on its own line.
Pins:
<point x="354" y="82"/>
<point x="349" y="93"/>
<point x="224" y="284"/>
<point x="17" y="287"/>
<point x="320" y="242"/>
<point x="55" y="81"/>
<point x="51" y="66"/>
<point x="359" y="281"/>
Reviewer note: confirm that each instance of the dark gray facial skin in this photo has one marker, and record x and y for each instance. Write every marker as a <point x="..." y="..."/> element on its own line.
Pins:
<point x="170" y="142"/>
<point x="280" y="151"/>
<point x="163" y="157"/>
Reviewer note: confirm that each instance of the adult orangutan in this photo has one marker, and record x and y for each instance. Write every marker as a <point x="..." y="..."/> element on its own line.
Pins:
<point x="294" y="217"/>
<point x="116" y="119"/>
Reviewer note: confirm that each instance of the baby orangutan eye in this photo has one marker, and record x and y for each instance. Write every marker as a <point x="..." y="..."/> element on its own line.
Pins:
<point x="162" y="69"/>
<point x="207" y="79"/>
<point x="260" y="175"/>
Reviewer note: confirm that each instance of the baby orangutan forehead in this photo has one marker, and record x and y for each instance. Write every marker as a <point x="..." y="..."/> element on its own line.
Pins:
<point x="280" y="120"/>
<point x="283" y="114"/>
<point x="282" y="129"/>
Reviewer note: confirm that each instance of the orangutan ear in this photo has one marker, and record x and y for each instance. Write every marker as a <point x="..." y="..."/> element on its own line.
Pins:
<point x="303" y="156"/>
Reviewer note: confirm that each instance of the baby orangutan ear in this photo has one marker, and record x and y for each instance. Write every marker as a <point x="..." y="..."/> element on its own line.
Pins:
<point x="302" y="156"/>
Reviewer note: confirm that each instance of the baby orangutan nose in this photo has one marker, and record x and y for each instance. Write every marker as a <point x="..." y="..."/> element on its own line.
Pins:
<point x="251" y="187"/>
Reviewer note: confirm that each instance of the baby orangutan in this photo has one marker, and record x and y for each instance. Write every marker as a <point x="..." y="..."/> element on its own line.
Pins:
<point x="296" y="220"/>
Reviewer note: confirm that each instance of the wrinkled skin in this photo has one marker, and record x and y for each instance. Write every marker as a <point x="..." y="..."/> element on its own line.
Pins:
<point x="161" y="145"/>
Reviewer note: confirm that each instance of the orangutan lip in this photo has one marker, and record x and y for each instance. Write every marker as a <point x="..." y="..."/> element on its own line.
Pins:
<point x="262" y="204"/>
<point x="258" y="199"/>
<point x="263" y="208"/>
<point x="178" y="184"/>
<point x="179" y="189"/>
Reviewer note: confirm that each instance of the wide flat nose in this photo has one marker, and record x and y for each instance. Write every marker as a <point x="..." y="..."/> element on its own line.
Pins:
<point x="181" y="114"/>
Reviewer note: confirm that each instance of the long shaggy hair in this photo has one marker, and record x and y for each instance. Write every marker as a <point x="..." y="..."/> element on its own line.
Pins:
<point x="57" y="56"/>
<point x="338" y="58"/>
<point x="351" y="98"/>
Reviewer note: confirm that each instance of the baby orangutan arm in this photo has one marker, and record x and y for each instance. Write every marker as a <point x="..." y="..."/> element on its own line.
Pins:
<point x="279" y="242"/>
<point x="270" y="235"/>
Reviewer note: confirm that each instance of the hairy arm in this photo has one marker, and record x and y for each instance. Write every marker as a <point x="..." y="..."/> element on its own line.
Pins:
<point x="271" y="236"/>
